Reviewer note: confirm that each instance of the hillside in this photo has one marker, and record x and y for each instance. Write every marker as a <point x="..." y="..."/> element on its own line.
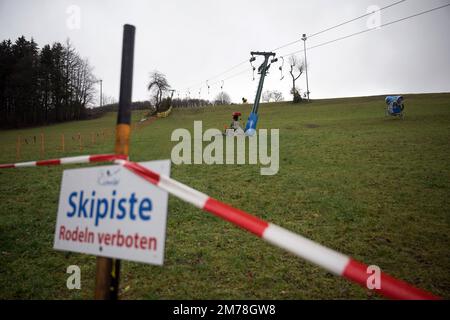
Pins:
<point x="373" y="187"/>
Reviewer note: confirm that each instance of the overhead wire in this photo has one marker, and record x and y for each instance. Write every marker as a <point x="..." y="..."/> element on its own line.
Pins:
<point x="367" y="30"/>
<point x="326" y="42"/>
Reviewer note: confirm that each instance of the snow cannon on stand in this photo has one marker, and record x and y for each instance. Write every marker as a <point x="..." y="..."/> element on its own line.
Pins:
<point x="395" y="106"/>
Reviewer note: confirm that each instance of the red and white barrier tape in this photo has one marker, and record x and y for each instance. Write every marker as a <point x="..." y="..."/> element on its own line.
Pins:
<point x="330" y="260"/>
<point x="67" y="160"/>
<point x="311" y="251"/>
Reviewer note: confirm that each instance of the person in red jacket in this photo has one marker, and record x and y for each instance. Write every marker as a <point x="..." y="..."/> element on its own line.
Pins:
<point x="235" y="125"/>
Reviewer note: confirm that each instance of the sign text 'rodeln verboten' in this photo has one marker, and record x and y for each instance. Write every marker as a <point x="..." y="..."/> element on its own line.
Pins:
<point x="108" y="211"/>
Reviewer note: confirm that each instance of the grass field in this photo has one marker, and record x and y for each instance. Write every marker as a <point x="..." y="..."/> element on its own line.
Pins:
<point x="372" y="187"/>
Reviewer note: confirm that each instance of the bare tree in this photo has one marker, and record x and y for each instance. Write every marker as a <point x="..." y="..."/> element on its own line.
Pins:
<point x="86" y="83"/>
<point x="267" y="96"/>
<point x="277" y="96"/>
<point x="108" y="99"/>
<point x="157" y="86"/>
<point x="297" y="67"/>
<point x="272" y="95"/>
<point x="222" y="98"/>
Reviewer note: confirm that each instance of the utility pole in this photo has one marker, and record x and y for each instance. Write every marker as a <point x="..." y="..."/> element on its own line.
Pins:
<point x="100" y="102"/>
<point x="108" y="270"/>
<point x="304" y="38"/>
<point x="221" y="91"/>
<point x="101" y="93"/>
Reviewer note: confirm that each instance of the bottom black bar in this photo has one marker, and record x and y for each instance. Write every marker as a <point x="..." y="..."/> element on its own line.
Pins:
<point x="222" y="309"/>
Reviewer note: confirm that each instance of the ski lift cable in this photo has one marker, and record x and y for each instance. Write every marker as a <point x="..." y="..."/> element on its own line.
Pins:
<point x="281" y="68"/>
<point x="340" y="25"/>
<point x="355" y="19"/>
<point x="296" y="41"/>
<point x="219" y="74"/>
<point x="368" y="30"/>
<point x="317" y="33"/>
<point x="230" y="77"/>
<point x="348" y="36"/>
<point x="234" y="75"/>
<point x="228" y="70"/>
<point x="252" y="59"/>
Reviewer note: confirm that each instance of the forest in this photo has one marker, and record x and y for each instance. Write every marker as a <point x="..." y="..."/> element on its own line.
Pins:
<point x="43" y="86"/>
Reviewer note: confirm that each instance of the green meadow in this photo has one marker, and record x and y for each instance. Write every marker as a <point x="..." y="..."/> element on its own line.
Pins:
<point x="372" y="187"/>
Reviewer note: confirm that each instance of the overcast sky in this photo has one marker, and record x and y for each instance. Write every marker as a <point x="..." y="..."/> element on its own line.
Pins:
<point x="192" y="41"/>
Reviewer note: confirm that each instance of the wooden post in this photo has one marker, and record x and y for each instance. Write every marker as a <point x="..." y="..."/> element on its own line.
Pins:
<point x="80" y="141"/>
<point x="42" y="146"/>
<point x="62" y="143"/>
<point x="18" y="145"/>
<point x="108" y="270"/>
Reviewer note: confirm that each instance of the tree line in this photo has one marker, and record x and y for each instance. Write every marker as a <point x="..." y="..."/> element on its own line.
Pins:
<point x="114" y="107"/>
<point x="43" y="86"/>
<point x="161" y="95"/>
<point x="221" y="98"/>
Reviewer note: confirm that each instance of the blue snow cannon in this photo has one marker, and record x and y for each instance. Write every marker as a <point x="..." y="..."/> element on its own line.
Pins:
<point x="395" y="106"/>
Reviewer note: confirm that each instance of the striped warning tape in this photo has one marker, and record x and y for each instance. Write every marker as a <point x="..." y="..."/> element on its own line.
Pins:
<point x="311" y="251"/>
<point x="67" y="160"/>
<point x="332" y="261"/>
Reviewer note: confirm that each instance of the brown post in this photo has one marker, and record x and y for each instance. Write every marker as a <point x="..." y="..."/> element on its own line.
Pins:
<point x="18" y="145"/>
<point x="42" y="145"/>
<point x="108" y="270"/>
<point x="62" y="143"/>
<point x="80" y="140"/>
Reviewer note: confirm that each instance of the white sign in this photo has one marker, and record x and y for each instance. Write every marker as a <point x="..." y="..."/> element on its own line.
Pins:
<point x="109" y="211"/>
